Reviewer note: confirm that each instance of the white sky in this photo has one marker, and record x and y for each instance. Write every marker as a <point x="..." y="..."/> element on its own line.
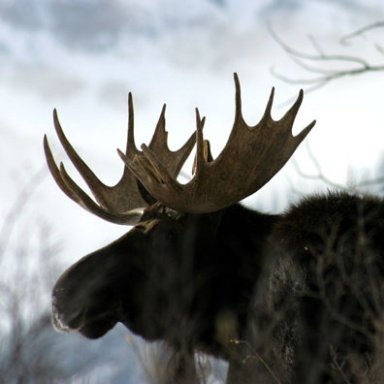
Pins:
<point x="83" y="57"/>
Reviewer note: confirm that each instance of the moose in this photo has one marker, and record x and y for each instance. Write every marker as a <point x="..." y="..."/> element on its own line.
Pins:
<point x="295" y="297"/>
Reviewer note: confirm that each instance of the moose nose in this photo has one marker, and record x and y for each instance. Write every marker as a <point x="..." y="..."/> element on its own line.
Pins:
<point x="65" y="318"/>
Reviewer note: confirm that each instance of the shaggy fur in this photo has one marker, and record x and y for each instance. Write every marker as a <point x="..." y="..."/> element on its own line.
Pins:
<point x="290" y="298"/>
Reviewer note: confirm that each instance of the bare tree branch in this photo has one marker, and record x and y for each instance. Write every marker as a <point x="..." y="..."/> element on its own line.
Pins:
<point x="319" y="175"/>
<point x="22" y="199"/>
<point x="325" y="71"/>
<point x="345" y="39"/>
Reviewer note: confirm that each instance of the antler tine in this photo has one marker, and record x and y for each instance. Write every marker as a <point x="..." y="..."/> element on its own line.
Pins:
<point x="290" y="115"/>
<point x="201" y="145"/>
<point x="238" y="103"/>
<point x="268" y="108"/>
<point x="55" y="171"/>
<point x="172" y="160"/>
<point x="157" y="160"/>
<point x="130" y="217"/>
<point x="251" y="157"/>
<point x="69" y="187"/>
<point x="148" y="166"/>
<point x="119" y="203"/>
<point x="103" y="194"/>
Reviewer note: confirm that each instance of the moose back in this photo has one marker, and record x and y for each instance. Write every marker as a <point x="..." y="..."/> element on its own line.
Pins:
<point x="289" y="298"/>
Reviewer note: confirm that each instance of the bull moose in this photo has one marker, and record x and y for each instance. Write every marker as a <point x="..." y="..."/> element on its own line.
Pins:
<point x="285" y="298"/>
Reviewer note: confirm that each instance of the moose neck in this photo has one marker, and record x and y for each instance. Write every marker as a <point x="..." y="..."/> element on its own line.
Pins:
<point x="236" y="224"/>
<point x="242" y="249"/>
<point x="203" y="273"/>
<point x="225" y="263"/>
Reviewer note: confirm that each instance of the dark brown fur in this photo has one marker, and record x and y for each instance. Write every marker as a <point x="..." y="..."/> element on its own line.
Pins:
<point x="297" y="293"/>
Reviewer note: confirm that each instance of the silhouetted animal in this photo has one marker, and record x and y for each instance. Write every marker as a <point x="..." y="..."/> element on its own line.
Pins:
<point x="290" y="298"/>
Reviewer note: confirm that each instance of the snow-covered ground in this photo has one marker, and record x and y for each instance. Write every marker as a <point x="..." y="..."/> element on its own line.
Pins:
<point x="83" y="57"/>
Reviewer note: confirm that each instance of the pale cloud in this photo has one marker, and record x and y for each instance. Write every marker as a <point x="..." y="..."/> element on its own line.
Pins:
<point x="112" y="92"/>
<point x="46" y="81"/>
<point x="100" y="25"/>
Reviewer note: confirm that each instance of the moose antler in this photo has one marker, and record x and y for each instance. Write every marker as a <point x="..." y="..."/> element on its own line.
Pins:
<point x="251" y="157"/>
<point x="120" y="203"/>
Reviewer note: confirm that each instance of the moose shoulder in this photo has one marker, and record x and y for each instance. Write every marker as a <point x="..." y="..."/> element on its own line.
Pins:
<point x="293" y="298"/>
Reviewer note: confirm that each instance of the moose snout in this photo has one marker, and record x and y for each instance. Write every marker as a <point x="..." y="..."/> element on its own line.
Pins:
<point x="65" y="318"/>
<point x="90" y="323"/>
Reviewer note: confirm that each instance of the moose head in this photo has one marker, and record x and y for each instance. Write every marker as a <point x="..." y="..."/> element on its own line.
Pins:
<point x="199" y="271"/>
<point x="181" y="274"/>
<point x="178" y="226"/>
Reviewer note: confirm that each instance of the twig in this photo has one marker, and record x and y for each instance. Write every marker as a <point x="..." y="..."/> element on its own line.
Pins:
<point x="360" y="31"/>
<point x="320" y="176"/>
<point x="22" y="199"/>
<point x="324" y="75"/>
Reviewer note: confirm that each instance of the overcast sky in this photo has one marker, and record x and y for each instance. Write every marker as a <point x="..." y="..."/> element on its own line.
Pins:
<point x="83" y="57"/>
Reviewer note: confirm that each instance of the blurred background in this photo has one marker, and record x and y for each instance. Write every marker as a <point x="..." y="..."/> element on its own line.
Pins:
<point x="83" y="57"/>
